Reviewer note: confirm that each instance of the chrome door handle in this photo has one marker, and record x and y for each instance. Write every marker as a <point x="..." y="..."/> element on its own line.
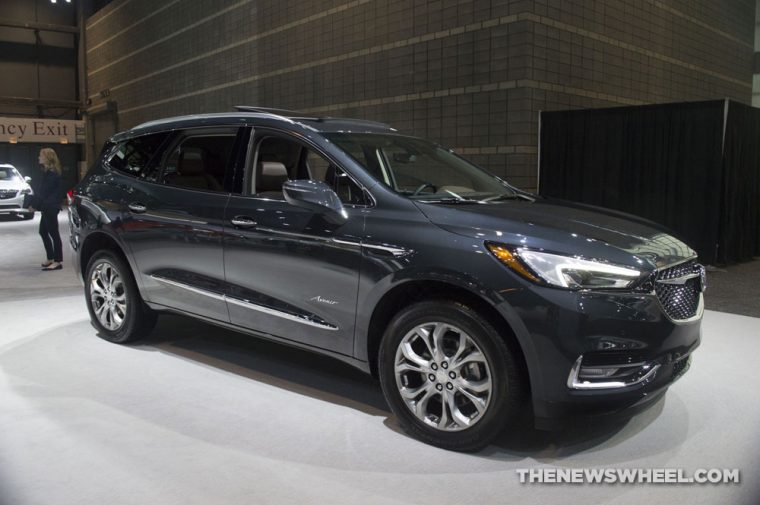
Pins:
<point x="243" y="222"/>
<point x="137" y="208"/>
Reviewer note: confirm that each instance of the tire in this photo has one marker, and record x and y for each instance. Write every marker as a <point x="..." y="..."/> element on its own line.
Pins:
<point x="413" y="382"/>
<point x="116" y="308"/>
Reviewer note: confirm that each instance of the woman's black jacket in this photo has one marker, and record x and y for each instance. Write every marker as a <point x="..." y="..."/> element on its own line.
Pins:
<point x="48" y="196"/>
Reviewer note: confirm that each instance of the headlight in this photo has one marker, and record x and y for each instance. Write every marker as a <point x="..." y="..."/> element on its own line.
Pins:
<point x="564" y="271"/>
<point x="26" y="191"/>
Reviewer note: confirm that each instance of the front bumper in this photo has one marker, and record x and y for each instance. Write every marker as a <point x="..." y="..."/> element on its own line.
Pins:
<point x="600" y="353"/>
<point x="13" y="205"/>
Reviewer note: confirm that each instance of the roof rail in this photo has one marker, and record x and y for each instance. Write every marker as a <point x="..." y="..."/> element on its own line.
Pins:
<point x="289" y="114"/>
<point x="277" y="112"/>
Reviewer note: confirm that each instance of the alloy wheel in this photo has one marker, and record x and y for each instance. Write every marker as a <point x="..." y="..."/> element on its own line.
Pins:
<point x="443" y="376"/>
<point x="108" y="296"/>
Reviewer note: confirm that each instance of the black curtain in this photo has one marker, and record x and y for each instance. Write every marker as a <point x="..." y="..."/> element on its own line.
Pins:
<point x="740" y="214"/>
<point x="664" y="163"/>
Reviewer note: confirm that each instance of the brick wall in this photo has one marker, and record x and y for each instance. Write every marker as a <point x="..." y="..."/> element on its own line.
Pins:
<point x="470" y="74"/>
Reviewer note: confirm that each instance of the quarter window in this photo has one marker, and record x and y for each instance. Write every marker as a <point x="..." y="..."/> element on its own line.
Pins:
<point x="135" y="157"/>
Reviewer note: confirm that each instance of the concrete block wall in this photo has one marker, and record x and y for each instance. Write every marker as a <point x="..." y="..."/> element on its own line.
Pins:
<point x="471" y="74"/>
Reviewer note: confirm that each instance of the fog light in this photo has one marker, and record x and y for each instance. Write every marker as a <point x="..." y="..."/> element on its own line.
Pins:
<point x="613" y="376"/>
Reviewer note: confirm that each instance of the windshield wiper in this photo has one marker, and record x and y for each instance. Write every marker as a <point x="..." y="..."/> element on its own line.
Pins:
<point x="506" y="196"/>
<point x="448" y="200"/>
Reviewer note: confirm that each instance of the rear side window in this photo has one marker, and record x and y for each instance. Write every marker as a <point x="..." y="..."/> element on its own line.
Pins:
<point x="137" y="157"/>
<point x="201" y="161"/>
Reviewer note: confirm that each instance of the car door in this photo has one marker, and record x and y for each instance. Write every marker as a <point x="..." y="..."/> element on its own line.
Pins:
<point x="290" y="271"/>
<point x="174" y="223"/>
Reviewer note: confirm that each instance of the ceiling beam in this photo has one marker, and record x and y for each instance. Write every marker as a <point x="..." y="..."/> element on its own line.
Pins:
<point x="44" y="27"/>
<point x="18" y="100"/>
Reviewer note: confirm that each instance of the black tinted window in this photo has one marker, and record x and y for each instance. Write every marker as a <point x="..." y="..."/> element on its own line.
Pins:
<point x="136" y="157"/>
<point x="200" y="161"/>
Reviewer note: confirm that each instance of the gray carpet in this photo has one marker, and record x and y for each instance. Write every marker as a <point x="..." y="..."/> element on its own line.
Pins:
<point x="735" y="289"/>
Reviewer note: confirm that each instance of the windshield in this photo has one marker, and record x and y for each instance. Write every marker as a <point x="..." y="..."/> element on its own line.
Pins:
<point x="8" y="174"/>
<point x="422" y="170"/>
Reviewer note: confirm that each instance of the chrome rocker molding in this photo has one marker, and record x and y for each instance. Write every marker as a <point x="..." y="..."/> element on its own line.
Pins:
<point x="573" y="382"/>
<point x="247" y="304"/>
<point x="182" y="285"/>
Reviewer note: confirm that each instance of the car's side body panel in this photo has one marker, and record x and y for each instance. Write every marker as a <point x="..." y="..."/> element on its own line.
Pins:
<point x="293" y="273"/>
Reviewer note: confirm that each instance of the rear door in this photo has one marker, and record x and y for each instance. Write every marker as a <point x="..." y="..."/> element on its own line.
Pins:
<point x="290" y="272"/>
<point x="174" y="220"/>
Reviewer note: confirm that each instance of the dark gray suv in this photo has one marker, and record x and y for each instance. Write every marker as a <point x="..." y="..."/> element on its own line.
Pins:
<point x="471" y="300"/>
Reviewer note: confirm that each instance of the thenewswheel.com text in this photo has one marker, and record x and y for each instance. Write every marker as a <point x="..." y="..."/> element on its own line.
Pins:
<point x="627" y="476"/>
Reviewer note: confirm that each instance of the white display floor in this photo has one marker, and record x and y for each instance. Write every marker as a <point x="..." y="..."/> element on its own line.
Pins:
<point x="201" y="415"/>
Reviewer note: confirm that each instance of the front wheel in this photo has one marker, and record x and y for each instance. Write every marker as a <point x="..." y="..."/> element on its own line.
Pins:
<point x="448" y="376"/>
<point x="115" y="305"/>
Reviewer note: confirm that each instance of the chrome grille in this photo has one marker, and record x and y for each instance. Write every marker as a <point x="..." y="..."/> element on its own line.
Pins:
<point x="8" y="193"/>
<point x="679" y="289"/>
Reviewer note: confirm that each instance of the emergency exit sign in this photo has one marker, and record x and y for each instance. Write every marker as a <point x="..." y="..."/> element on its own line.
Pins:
<point x="58" y="131"/>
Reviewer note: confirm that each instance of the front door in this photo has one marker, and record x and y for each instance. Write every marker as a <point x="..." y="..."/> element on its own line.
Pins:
<point x="290" y="272"/>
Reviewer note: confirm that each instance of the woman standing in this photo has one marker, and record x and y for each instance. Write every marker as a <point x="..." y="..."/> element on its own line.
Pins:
<point x="48" y="200"/>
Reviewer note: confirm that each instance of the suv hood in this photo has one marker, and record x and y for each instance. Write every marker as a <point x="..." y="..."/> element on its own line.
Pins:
<point x="14" y="184"/>
<point x="563" y="227"/>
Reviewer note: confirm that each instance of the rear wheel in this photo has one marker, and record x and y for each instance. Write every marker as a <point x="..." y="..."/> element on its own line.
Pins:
<point x="448" y="376"/>
<point x="115" y="305"/>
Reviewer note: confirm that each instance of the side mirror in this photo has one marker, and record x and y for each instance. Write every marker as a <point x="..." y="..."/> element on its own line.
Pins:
<point x="317" y="197"/>
<point x="27" y="179"/>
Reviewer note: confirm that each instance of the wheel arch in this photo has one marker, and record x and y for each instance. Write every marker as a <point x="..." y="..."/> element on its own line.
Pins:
<point x="413" y="291"/>
<point x="98" y="241"/>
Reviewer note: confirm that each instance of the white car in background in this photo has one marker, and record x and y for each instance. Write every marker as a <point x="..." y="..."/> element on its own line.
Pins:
<point x="13" y="188"/>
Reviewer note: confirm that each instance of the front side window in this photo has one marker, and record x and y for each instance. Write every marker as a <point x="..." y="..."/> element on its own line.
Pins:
<point x="422" y="170"/>
<point x="200" y="161"/>
<point x="279" y="159"/>
<point x="135" y="157"/>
